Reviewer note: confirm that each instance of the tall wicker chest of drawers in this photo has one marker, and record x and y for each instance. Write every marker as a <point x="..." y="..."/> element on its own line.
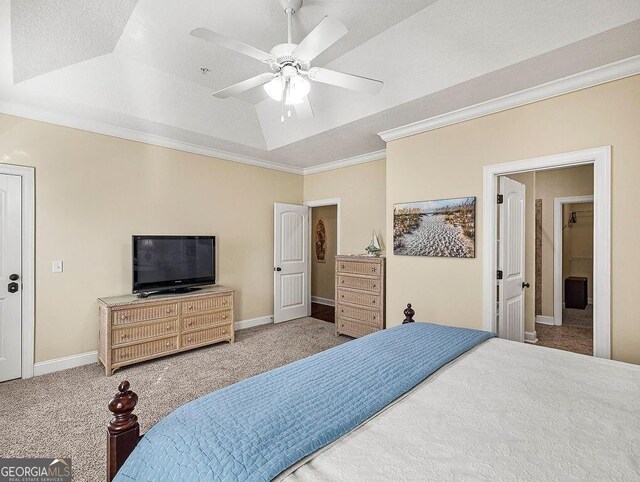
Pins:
<point x="132" y="330"/>
<point x="360" y="291"/>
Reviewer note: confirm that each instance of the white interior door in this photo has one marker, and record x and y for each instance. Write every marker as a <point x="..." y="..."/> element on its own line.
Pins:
<point x="291" y="262"/>
<point x="511" y="259"/>
<point x="10" y="273"/>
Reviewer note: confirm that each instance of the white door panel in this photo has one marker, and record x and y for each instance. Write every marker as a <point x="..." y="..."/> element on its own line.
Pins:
<point x="511" y="260"/>
<point x="10" y="268"/>
<point x="291" y="262"/>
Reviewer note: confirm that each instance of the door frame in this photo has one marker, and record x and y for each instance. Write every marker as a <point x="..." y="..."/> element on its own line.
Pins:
<point x="336" y="201"/>
<point x="600" y="158"/>
<point x="558" y="236"/>
<point x="27" y="175"/>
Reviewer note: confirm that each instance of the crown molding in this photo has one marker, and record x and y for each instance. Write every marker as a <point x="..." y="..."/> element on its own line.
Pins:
<point x="565" y="85"/>
<point x="34" y="113"/>
<point x="350" y="161"/>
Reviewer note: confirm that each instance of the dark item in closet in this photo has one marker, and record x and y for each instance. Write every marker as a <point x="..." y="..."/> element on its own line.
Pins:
<point x="575" y="292"/>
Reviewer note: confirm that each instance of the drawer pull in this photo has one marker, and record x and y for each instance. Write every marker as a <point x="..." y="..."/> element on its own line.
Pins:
<point x="189" y="323"/>
<point x="224" y="331"/>
<point x="169" y="344"/>
<point x="123" y="336"/>
<point x="189" y="339"/>
<point x="168" y="310"/>
<point x="374" y="317"/>
<point x="124" y="355"/>
<point x="341" y="296"/>
<point x="374" y="286"/>
<point x="124" y="317"/>
<point x="373" y="269"/>
<point x="342" y="281"/>
<point x="341" y="311"/>
<point x="224" y="317"/>
<point x="190" y="307"/>
<point x="168" y="327"/>
<point x="225" y="302"/>
<point x="342" y="266"/>
<point x="373" y="302"/>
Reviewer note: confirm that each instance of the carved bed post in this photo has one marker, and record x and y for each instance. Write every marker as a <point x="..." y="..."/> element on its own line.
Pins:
<point x="408" y="314"/>
<point x="123" y="429"/>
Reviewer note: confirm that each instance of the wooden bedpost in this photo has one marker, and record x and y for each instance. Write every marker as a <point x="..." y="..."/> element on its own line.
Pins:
<point x="123" y="431"/>
<point x="408" y="314"/>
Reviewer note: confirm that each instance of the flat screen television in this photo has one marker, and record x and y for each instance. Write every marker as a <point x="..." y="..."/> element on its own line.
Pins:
<point x="172" y="263"/>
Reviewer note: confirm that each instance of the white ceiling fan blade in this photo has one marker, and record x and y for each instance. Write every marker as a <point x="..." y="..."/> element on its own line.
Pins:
<point x="347" y="81"/>
<point x="231" y="44"/>
<point x="245" y="85"/>
<point x="304" y="109"/>
<point x="326" y="33"/>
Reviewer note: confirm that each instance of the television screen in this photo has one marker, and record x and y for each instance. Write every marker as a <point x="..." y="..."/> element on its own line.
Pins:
<point x="170" y="262"/>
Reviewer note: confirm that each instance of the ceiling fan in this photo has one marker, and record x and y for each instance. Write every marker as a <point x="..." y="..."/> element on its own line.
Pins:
<point x="290" y="64"/>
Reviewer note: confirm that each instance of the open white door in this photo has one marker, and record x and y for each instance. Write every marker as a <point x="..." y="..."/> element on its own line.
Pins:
<point x="10" y="277"/>
<point x="291" y="262"/>
<point x="511" y="257"/>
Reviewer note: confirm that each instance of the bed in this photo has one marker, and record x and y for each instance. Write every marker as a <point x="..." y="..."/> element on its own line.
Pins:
<point x="423" y="402"/>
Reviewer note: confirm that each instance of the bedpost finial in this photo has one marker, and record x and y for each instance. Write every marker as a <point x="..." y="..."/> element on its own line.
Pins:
<point x="121" y="406"/>
<point x="408" y="314"/>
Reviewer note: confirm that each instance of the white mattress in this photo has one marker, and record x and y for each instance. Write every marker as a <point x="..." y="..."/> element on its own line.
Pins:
<point x="504" y="411"/>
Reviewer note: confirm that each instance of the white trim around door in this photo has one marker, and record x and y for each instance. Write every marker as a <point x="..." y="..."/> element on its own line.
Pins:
<point x="337" y="202"/>
<point x="600" y="157"/>
<point x="557" y="251"/>
<point x="27" y="175"/>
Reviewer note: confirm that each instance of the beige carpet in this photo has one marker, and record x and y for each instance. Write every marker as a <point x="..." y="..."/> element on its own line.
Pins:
<point x="65" y="414"/>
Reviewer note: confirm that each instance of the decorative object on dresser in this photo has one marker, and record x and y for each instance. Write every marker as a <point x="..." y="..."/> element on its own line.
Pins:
<point x="133" y="330"/>
<point x="360" y="287"/>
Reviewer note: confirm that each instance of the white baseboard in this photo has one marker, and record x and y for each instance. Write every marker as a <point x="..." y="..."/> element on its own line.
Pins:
<point x="530" y="337"/>
<point x="323" y="301"/>
<point x="261" y="320"/>
<point x="57" y="364"/>
<point x="545" y="320"/>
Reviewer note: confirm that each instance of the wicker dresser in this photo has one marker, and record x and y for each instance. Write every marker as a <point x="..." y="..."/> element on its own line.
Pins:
<point x="359" y="295"/>
<point x="133" y="329"/>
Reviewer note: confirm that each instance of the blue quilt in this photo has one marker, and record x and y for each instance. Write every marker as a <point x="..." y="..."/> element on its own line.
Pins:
<point x="259" y="427"/>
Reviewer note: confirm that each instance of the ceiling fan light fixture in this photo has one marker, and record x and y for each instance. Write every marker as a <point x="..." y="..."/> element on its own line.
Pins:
<point x="274" y="88"/>
<point x="297" y="91"/>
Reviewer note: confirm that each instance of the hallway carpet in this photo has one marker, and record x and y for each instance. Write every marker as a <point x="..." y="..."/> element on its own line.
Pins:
<point x="64" y="414"/>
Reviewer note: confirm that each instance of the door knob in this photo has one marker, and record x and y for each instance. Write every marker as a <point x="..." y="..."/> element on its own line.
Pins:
<point x="14" y="277"/>
<point x="278" y="268"/>
<point x="525" y="285"/>
<point x="13" y="287"/>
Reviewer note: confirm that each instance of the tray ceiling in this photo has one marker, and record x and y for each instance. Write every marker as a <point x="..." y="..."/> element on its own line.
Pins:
<point x="132" y="64"/>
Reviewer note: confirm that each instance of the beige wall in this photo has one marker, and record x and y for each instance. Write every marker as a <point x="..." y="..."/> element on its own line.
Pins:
<point x="323" y="275"/>
<point x="575" y="181"/>
<point x="93" y="192"/>
<point x="448" y="162"/>
<point x="577" y="242"/>
<point x="362" y="192"/>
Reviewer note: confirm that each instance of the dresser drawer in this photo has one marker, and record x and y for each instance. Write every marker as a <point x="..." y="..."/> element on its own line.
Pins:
<point x="128" y="334"/>
<point x="360" y="314"/>
<point x="209" y="319"/>
<point x="359" y="298"/>
<point x="206" y="304"/>
<point x="134" y="315"/>
<point x="354" y="329"/>
<point x="143" y="350"/>
<point x="204" y="336"/>
<point x="368" y="284"/>
<point x="358" y="267"/>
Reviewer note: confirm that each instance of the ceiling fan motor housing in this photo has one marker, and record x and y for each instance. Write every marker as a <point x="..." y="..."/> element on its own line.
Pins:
<point x="283" y="53"/>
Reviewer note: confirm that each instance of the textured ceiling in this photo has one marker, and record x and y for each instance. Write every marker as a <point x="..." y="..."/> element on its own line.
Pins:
<point x="132" y="64"/>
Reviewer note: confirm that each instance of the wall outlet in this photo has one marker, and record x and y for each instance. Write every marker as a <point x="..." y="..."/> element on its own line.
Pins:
<point x="57" y="266"/>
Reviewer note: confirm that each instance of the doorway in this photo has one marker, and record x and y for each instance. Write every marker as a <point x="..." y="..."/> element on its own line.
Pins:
<point x="16" y="272"/>
<point x="325" y="245"/>
<point x="598" y="161"/>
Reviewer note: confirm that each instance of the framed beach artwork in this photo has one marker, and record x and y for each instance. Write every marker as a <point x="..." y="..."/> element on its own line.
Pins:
<point x="442" y="228"/>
